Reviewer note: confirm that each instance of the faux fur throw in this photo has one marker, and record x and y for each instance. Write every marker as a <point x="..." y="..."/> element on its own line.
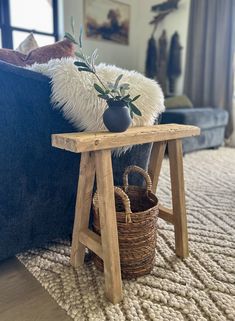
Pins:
<point x="74" y="93"/>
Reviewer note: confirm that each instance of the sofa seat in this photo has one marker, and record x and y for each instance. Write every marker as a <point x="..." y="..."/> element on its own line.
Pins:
<point x="212" y="122"/>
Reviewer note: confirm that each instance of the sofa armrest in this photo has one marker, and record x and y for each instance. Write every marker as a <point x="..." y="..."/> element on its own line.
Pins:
<point x="21" y="72"/>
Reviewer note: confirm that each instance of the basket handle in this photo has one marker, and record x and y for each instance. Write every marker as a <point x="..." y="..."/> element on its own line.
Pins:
<point x="126" y="203"/>
<point x="137" y="169"/>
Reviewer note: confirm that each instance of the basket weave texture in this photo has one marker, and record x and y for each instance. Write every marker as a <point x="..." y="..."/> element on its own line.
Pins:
<point x="136" y="211"/>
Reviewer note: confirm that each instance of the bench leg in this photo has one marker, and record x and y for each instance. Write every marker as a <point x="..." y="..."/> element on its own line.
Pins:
<point x="108" y="224"/>
<point x="155" y="162"/>
<point x="178" y="197"/>
<point x="83" y="205"/>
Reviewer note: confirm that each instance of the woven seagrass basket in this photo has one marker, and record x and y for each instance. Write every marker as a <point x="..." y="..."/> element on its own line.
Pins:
<point x="137" y="211"/>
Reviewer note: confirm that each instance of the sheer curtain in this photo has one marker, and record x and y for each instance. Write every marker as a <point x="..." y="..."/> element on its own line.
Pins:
<point x="231" y="139"/>
<point x="209" y="77"/>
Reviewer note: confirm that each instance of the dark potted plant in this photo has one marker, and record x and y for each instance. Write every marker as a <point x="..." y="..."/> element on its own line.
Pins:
<point x="121" y="108"/>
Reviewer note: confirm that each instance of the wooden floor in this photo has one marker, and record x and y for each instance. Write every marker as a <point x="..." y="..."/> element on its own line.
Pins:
<point x="22" y="298"/>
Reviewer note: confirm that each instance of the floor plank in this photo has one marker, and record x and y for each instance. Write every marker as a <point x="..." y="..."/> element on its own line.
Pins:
<point x="22" y="298"/>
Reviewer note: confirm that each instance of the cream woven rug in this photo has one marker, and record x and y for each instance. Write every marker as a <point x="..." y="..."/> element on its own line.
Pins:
<point x="201" y="287"/>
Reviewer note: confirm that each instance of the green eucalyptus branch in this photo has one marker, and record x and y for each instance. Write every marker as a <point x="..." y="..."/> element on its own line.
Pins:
<point x="101" y="82"/>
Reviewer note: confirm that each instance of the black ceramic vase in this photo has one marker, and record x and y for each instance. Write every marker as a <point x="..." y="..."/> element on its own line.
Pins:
<point x="117" y="116"/>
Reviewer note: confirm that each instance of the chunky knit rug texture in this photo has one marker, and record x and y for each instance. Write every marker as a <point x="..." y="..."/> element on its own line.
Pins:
<point x="201" y="287"/>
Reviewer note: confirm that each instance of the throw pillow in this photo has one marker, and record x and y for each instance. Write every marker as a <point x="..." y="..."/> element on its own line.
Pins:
<point x="178" y="102"/>
<point x="60" y="49"/>
<point x="28" y="44"/>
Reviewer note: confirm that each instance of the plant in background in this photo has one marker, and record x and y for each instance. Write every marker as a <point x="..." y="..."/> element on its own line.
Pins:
<point x="117" y="93"/>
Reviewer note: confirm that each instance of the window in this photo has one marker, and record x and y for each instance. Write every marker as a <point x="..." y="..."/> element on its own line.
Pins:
<point x="20" y="17"/>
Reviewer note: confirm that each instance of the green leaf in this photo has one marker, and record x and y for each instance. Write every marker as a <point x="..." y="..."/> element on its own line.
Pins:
<point x="136" y="97"/>
<point x="117" y="81"/>
<point x="122" y="91"/>
<point x="110" y="84"/>
<point x="125" y="86"/>
<point x="81" y="64"/>
<point x="127" y="99"/>
<point x="135" y="110"/>
<point x="106" y="97"/>
<point x="131" y="113"/>
<point x="72" y="24"/>
<point x="80" y="36"/>
<point x="93" y="59"/>
<point x="85" y="69"/>
<point x="80" y="55"/>
<point x="70" y="37"/>
<point x="99" y="89"/>
<point x="115" y="91"/>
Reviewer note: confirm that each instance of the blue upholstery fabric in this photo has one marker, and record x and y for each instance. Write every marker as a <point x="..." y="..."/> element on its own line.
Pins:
<point x="37" y="182"/>
<point x="212" y="122"/>
<point x="202" y="117"/>
<point x="209" y="138"/>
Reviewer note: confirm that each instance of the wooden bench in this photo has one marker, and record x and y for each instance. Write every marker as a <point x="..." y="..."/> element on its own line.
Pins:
<point x="96" y="161"/>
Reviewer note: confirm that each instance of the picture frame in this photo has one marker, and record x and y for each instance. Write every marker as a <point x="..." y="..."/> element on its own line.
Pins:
<point x="107" y="20"/>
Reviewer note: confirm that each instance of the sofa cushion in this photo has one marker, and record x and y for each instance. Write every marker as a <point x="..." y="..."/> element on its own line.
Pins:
<point x="209" y="138"/>
<point x="201" y="117"/>
<point x="63" y="48"/>
<point x="181" y="101"/>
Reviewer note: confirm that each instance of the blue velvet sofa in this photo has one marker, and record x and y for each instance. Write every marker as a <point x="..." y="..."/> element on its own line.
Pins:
<point x="212" y="122"/>
<point x="37" y="182"/>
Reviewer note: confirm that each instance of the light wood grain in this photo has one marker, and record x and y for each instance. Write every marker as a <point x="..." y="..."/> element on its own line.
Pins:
<point x="88" y="141"/>
<point x="166" y="214"/>
<point x="83" y="205"/>
<point x="99" y="162"/>
<point x="108" y="225"/>
<point x="178" y="197"/>
<point x="155" y="162"/>
<point x="92" y="241"/>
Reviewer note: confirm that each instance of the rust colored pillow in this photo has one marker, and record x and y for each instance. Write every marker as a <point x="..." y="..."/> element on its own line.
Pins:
<point x="60" y="49"/>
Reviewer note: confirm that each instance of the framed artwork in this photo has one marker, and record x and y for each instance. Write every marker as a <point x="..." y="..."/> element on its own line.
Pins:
<point x="107" y="20"/>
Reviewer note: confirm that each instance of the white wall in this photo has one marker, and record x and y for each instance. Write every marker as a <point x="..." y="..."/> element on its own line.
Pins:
<point x="133" y="55"/>
<point x="121" y="55"/>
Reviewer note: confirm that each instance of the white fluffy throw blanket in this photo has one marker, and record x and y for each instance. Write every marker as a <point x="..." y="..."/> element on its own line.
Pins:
<point x="74" y="94"/>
